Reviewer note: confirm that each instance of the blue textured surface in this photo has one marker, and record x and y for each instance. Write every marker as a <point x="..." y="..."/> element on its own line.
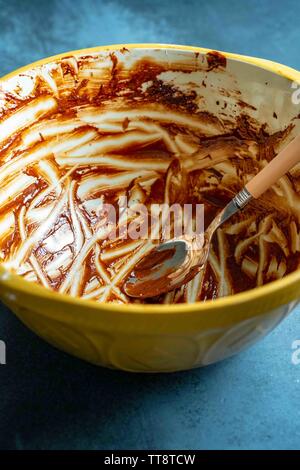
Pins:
<point x="49" y="400"/>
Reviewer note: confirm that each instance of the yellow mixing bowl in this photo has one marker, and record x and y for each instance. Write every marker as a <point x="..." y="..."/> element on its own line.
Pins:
<point x="161" y="338"/>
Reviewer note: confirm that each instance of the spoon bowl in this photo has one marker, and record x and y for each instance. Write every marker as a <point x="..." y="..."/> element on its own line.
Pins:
<point x="166" y="267"/>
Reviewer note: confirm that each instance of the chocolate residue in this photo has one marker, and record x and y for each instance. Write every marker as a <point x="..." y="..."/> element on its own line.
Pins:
<point x="125" y="124"/>
<point x="122" y="81"/>
<point x="129" y="84"/>
<point x="81" y="86"/>
<point x="171" y="96"/>
<point x="67" y="69"/>
<point x="243" y="104"/>
<point x="130" y="133"/>
<point x="113" y="85"/>
<point x="215" y="60"/>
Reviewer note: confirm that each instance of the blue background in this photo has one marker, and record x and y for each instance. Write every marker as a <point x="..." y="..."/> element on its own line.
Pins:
<point x="49" y="400"/>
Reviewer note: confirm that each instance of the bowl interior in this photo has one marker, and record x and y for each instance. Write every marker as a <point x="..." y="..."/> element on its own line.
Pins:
<point x="59" y="104"/>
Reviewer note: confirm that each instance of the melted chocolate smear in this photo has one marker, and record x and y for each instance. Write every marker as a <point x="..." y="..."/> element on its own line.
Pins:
<point x="215" y="60"/>
<point x="183" y="189"/>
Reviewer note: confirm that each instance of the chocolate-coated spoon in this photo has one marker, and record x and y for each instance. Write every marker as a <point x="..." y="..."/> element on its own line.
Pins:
<point x="175" y="262"/>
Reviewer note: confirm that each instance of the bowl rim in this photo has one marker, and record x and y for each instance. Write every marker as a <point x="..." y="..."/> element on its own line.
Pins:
<point x="17" y="283"/>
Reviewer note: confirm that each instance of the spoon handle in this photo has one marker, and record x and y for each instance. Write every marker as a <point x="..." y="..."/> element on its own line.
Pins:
<point x="239" y="201"/>
<point x="278" y="167"/>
